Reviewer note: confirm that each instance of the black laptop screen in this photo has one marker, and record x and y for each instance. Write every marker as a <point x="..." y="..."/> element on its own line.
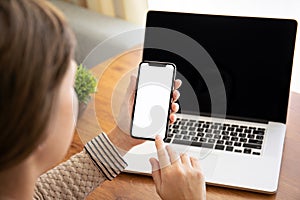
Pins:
<point x="254" y="57"/>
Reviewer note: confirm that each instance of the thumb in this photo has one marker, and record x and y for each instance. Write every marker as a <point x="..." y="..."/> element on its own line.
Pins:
<point x="132" y="88"/>
<point x="155" y="172"/>
<point x="130" y="93"/>
<point x="132" y="84"/>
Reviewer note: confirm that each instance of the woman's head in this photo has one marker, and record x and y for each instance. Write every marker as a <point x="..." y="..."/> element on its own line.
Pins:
<point x="36" y="49"/>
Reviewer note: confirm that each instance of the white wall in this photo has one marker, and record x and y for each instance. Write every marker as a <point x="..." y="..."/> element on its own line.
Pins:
<point x="258" y="8"/>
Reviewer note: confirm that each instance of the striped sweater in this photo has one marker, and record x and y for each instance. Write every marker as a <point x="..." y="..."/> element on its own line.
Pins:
<point x="82" y="173"/>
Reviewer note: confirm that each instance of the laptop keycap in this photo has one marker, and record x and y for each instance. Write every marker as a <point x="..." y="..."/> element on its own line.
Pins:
<point x="230" y="129"/>
<point x="175" y="127"/>
<point x="225" y="137"/>
<point x="214" y="127"/>
<point x="185" y="142"/>
<point x="200" y="134"/>
<point x="186" y="137"/>
<point x="208" y="131"/>
<point x="200" y="129"/>
<point x="242" y="135"/>
<point x="225" y="133"/>
<point x="198" y="144"/>
<point x="239" y="130"/>
<point x="258" y="132"/>
<point x="238" y="151"/>
<point x="189" y="124"/>
<point x="170" y="135"/>
<point x="247" y="131"/>
<point x="192" y="128"/>
<point x="253" y="146"/>
<point x="175" y="131"/>
<point x="177" y="136"/>
<point x="217" y="136"/>
<point x="259" y="137"/>
<point x="183" y="127"/>
<point x="184" y="132"/>
<point x="237" y="144"/>
<point x="229" y="148"/>
<point x="205" y="125"/>
<point x="254" y="141"/>
<point x="220" y="142"/>
<point x="219" y="147"/>
<point x="207" y="145"/>
<point x="251" y="136"/>
<point x="211" y="140"/>
<point x="228" y="143"/>
<point x="167" y="140"/>
<point x="192" y="133"/>
<point x="181" y="123"/>
<point x="247" y="151"/>
<point x="233" y="134"/>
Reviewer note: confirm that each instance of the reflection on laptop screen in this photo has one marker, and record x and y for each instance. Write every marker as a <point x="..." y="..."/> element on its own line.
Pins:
<point x="254" y="57"/>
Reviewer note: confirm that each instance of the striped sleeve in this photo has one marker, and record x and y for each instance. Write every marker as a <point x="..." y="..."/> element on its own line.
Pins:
<point x="105" y="156"/>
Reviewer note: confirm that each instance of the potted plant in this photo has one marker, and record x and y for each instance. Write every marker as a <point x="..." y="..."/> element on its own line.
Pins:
<point x="85" y="85"/>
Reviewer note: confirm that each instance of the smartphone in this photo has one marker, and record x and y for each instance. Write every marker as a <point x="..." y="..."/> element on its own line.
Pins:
<point x="153" y="96"/>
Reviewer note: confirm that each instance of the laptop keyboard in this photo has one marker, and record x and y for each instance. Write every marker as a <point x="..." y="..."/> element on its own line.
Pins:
<point x="219" y="136"/>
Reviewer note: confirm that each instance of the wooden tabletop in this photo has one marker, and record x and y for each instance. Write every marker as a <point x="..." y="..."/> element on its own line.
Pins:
<point x="100" y="115"/>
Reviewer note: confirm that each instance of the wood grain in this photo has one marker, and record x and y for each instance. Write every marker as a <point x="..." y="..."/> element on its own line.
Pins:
<point x="99" y="116"/>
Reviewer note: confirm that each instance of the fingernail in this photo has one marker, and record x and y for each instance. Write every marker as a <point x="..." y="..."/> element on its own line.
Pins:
<point x="176" y="105"/>
<point x="158" y="137"/>
<point x="132" y="76"/>
<point x="178" y="93"/>
<point x="168" y="147"/>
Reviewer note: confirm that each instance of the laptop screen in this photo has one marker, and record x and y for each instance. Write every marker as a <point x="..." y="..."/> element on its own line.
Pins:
<point x="253" y="56"/>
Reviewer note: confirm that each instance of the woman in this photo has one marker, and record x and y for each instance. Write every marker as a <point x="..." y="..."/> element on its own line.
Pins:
<point x="37" y="117"/>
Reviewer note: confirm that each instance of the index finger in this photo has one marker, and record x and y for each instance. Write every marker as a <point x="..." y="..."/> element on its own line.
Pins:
<point x="162" y="153"/>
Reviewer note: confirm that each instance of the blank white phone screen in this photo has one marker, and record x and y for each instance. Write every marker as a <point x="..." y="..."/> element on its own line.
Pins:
<point x="152" y="101"/>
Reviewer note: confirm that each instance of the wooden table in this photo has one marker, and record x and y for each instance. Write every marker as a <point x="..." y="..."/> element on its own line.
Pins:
<point x="99" y="116"/>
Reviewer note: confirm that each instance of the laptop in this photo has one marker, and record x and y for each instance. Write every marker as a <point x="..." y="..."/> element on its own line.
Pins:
<point x="236" y="74"/>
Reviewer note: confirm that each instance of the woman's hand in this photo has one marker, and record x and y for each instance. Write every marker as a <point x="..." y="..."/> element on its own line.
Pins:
<point x="177" y="177"/>
<point x="120" y="135"/>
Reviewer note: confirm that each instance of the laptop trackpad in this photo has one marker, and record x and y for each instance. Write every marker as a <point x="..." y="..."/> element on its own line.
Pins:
<point x="138" y="158"/>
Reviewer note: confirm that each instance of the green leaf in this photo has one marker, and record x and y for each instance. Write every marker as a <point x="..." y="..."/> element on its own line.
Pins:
<point x="85" y="84"/>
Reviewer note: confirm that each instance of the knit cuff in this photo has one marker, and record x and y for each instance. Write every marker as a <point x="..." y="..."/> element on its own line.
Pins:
<point x="105" y="156"/>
